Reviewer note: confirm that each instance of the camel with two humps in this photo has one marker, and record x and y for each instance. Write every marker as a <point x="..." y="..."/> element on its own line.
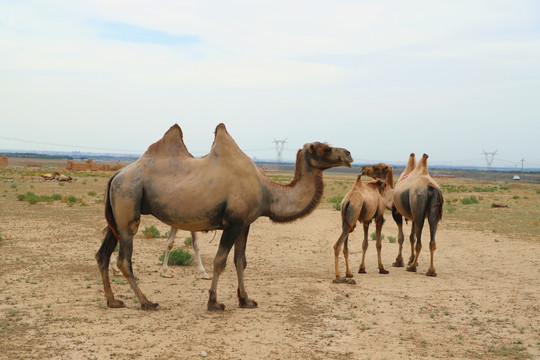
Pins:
<point x="363" y="203"/>
<point x="223" y="190"/>
<point x="417" y="196"/>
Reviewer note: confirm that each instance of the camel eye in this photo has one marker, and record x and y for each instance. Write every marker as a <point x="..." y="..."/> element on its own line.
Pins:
<point x="327" y="150"/>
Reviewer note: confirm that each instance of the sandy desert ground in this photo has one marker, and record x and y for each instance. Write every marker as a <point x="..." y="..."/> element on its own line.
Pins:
<point x="484" y="304"/>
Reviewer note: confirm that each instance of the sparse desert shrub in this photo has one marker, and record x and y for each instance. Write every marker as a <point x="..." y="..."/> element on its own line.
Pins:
<point x="92" y="193"/>
<point x="13" y="186"/>
<point x="336" y="201"/>
<point x="392" y="239"/>
<point x="71" y="199"/>
<point x="515" y="197"/>
<point x="178" y="257"/>
<point x="151" y="232"/>
<point x="373" y="236"/>
<point x="188" y="241"/>
<point x="451" y="209"/>
<point x="469" y="200"/>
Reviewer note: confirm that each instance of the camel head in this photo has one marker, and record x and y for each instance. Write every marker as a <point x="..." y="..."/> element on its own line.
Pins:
<point x="378" y="171"/>
<point x="322" y="156"/>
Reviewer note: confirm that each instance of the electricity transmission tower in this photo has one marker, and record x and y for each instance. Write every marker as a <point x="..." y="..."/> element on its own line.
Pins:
<point x="489" y="157"/>
<point x="280" y="144"/>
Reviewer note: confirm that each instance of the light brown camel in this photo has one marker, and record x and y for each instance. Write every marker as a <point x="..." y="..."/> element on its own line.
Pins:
<point x="417" y="197"/>
<point x="50" y="176"/>
<point x="222" y="190"/>
<point x="381" y="171"/>
<point x="363" y="203"/>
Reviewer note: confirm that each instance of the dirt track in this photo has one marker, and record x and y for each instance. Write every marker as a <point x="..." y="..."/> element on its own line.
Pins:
<point x="484" y="304"/>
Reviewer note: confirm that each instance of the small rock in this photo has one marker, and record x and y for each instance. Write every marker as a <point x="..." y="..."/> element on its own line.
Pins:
<point x="204" y="353"/>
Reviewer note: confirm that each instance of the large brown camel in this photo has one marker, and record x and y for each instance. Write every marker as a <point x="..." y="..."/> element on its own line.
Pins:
<point x="363" y="203"/>
<point x="417" y="197"/>
<point x="222" y="190"/>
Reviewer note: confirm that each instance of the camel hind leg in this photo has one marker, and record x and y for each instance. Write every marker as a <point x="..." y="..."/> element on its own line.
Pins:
<point x="103" y="257"/>
<point x="434" y="215"/>
<point x="343" y="239"/>
<point x="165" y="271"/>
<point x="417" y="226"/>
<point x="124" y="264"/>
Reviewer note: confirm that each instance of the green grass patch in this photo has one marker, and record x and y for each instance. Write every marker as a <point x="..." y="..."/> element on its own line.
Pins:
<point x="178" y="257"/>
<point x="373" y="236"/>
<point x="151" y="232"/>
<point x="469" y="200"/>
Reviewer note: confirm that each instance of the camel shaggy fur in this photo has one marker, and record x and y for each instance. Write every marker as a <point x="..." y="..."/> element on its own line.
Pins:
<point x="417" y="196"/>
<point x="363" y="203"/>
<point x="222" y="190"/>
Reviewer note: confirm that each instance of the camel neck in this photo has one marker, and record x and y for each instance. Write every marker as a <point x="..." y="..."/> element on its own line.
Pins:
<point x="300" y="197"/>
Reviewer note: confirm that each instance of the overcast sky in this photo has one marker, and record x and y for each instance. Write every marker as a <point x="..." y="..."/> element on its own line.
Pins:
<point x="380" y="78"/>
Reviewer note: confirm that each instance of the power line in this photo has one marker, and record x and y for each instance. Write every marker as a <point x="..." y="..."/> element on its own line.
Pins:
<point x="64" y="145"/>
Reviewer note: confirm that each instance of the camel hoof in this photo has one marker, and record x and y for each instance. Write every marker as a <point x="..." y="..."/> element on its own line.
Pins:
<point x="149" y="306"/>
<point x="206" y="277"/>
<point x="383" y="271"/>
<point x="349" y="275"/>
<point x="398" y="264"/>
<point x="215" y="306"/>
<point x="411" y="268"/>
<point x="362" y="271"/>
<point x="167" y="274"/>
<point x="431" y="273"/>
<point x="115" y="304"/>
<point x="344" y="281"/>
<point x="247" y="303"/>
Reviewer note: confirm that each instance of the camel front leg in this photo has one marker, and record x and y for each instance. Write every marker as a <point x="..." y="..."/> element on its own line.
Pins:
<point x="362" y="269"/>
<point x="195" y="244"/>
<point x="165" y="271"/>
<point x="241" y="263"/>
<point x="379" y="224"/>
<point x="228" y="238"/>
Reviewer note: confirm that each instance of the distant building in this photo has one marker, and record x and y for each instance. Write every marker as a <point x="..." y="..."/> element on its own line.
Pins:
<point x="3" y="161"/>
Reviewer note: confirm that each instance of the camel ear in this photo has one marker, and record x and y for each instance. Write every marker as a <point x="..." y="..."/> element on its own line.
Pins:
<point x="311" y="148"/>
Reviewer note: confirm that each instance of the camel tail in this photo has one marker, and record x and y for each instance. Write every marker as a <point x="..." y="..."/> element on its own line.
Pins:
<point x="109" y="216"/>
<point x="345" y="213"/>
<point x="436" y="201"/>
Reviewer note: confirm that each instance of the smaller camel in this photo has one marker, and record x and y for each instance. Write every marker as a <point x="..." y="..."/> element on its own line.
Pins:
<point x="48" y="177"/>
<point x="417" y="196"/>
<point x="166" y="272"/>
<point x="56" y="176"/>
<point x="363" y="203"/>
